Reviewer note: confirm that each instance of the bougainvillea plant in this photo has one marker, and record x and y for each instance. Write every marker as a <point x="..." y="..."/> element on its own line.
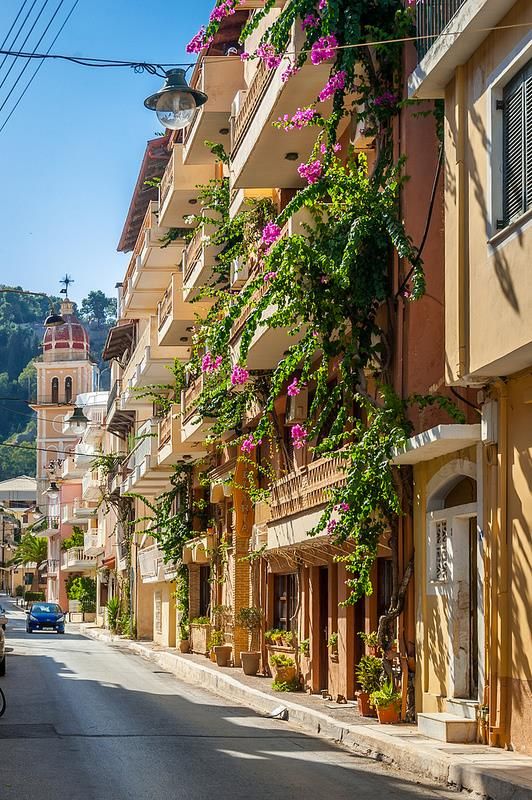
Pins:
<point x="326" y="283"/>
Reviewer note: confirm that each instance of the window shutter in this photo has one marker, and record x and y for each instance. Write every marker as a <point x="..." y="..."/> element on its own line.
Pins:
<point x="528" y="143"/>
<point x="514" y="129"/>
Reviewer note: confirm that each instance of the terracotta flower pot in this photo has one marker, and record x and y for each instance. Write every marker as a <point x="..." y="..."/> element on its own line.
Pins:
<point x="388" y="715"/>
<point x="184" y="645"/>
<point x="222" y="654"/>
<point x="283" y="674"/>
<point x="364" y="707"/>
<point x="250" y="662"/>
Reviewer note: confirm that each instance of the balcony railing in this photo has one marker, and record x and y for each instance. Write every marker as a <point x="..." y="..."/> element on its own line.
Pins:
<point x="432" y="16"/>
<point x="114" y="393"/>
<point x="76" y="558"/>
<point x="252" y="98"/>
<point x="52" y="566"/>
<point x="307" y="488"/>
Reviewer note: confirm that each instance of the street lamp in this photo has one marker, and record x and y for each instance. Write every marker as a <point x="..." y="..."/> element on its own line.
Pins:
<point x="76" y="422"/>
<point x="53" y="320"/>
<point x="176" y="101"/>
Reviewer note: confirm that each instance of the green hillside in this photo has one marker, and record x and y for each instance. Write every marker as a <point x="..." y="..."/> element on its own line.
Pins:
<point x="21" y="332"/>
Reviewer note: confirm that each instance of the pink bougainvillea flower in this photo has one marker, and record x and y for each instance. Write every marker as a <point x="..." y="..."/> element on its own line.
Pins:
<point x="300" y="119"/>
<point x="294" y="389"/>
<point x="335" y="82"/>
<point x="249" y="444"/>
<point x="270" y="233"/>
<point x="210" y="364"/>
<point x="267" y="54"/>
<point x="244" y="56"/>
<point x="312" y="172"/>
<point x="198" y="42"/>
<point x="323" y="49"/>
<point x="289" y="72"/>
<point x="310" y="21"/>
<point x="239" y="375"/>
<point x="322" y="5"/>
<point x="269" y="276"/>
<point x="299" y="436"/>
<point x="337" y="147"/>
<point x="343" y="506"/>
<point x="331" y="525"/>
<point x="386" y="99"/>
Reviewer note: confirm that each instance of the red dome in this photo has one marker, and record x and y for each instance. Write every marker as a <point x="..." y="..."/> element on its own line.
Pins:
<point x="71" y="336"/>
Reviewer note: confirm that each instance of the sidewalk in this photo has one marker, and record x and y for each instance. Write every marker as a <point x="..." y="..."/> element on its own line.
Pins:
<point x="486" y="771"/>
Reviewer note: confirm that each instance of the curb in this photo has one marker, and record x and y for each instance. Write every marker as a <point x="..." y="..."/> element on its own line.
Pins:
<point x="392" y="748"/>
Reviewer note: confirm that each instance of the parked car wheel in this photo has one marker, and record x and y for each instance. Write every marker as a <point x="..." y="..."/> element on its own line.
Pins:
<point x="3" y="666"/>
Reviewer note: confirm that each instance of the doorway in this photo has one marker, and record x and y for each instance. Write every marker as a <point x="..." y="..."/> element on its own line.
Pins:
<point x="324" y="628"/>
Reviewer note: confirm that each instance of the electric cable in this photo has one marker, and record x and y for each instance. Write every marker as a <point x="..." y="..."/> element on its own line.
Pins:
<point x="17" y="34"/>
<point x="56" y="37"/>
<point x="21" y="9"/>
<point x="25" y="67"/>
<point x="24" y="42"/>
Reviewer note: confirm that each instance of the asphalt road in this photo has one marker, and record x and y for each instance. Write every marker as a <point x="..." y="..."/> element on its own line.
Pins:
<point x="87" y="721"/>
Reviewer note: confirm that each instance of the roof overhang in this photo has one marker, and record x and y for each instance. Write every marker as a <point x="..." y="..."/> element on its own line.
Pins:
<point x="438" y="441"/>
<point x="119" y="339"/>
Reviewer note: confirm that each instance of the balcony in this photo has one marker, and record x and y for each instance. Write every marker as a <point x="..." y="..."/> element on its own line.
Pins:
<point x="307" y="488"/>
<point x="194" y="428"/>
<point x="90" y="485"/>
<point x="456" y="29"/>
<point x="175" y="317"/>
<point x="76" y="560"/>
<point x="118" y="420"/>
<point x="151" y="564"/>
<point x="52" y="566"/>
<point x="149" y="364"/>
<point x="199" y="260"/>
<point x="67" y="515"/>
<point x="178" y="191"/>
<point x="82" y="514"/>
<point x="258" y="150"/>
<point x="143" y="471"/>
<point x="220" y="82"/>
<point x="170" y="445"/>
<point x="49" y="526"/>
<point x="122" y="553"/>
<point x="93" y="542"/>
<point x="76" y="464"/>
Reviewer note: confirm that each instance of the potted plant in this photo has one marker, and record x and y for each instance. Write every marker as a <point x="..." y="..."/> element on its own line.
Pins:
<point x="387" y="701"/>
<point x="184" y="641"/>
<point x="371" y="640"/>
<point x="220" y="652"/>
<point x="368" y="673"/>
<point x="250" y="619"/>
<point x="283" y="668"/>
<point x="113" y="613"/>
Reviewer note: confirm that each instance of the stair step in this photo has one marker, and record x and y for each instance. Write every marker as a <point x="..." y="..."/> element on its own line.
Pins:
<point x="447" y="727"/>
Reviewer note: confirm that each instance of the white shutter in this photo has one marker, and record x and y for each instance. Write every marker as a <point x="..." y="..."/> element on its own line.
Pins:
<point x="513" y="154"/>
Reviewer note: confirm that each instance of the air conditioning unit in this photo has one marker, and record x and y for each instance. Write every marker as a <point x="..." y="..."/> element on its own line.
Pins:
<point x="237" y="103"/>
<point x="297" y="408"/>
<point x="239" y="273"/>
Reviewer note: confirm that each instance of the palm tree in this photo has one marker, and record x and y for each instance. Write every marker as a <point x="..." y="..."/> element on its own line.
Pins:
<point x="31" y="550"/>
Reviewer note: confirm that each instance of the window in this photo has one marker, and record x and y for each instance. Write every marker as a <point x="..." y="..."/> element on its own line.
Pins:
<point x="441" y="564"/>
<point x="55" y="390"/>
<point x="285" y="602"/>
<point x="517" y="145"/>
<point x="205" y="591"/>
<point x="68" y="390"/>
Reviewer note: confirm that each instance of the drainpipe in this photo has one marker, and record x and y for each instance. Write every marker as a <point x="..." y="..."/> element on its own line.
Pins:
<point x="461" y="216"/>
<point x="500" y="633"/>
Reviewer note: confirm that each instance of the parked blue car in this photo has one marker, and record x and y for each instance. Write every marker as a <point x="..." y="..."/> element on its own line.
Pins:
<point x="45" y="617"/>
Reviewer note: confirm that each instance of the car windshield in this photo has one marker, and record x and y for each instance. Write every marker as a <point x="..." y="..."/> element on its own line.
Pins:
<point x="45" y="608"/>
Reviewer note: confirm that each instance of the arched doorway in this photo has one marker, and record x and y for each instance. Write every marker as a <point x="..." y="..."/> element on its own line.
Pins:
<point x="454" y="571"/>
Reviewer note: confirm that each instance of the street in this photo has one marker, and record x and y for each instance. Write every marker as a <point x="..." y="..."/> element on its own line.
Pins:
<point x="86" y="720"/>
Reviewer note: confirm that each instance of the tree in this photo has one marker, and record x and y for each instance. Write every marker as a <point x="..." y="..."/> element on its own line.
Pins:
<point x="31" y="550"/>
<point x="96" y="307"/>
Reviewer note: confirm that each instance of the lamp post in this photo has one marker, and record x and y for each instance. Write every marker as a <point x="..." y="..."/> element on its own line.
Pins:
<point x="53" y="320"/>
<point x="176" y="101"/>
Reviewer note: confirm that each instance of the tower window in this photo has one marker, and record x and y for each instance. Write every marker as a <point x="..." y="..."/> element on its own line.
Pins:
<point x="68" y="390"/>
<point x="55" y="390"/>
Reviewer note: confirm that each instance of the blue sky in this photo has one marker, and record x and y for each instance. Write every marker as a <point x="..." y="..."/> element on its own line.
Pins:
<point x="69" y="155"/>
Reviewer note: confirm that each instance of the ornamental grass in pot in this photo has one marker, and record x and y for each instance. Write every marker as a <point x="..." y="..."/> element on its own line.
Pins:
<point x="368" y="674"/>
<point x="387" y="701"/>
<point x="250" y="619"/>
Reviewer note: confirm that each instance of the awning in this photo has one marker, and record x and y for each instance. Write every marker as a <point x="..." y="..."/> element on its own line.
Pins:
<point x="109" y="562"/>
<point x="438" y="441"/>
<point x="119" y="339"/>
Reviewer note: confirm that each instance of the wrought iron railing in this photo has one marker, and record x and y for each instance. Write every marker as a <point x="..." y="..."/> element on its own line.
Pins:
<point x="432" y="16"/>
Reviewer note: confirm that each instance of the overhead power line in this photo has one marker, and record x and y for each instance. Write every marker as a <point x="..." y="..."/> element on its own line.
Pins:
<point x="28" y="84"/>
<point x="8" y="34"/>
<point x="17" y="33"/>
<point x="6" y="76"/>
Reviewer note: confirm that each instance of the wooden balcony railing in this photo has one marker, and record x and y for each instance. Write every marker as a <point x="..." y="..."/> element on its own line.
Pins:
<point x="432" y="16"/>
<point x="306" y="488"/>
<point x="166" y="180"/>
<point x="165" y="429"/>
<point x="164" y="309"/>
<point x="191" y="397"/>
<point x="254" y="95"/>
